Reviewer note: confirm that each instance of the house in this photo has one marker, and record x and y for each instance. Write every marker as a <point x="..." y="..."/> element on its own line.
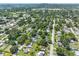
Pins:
<point x="29" y="46"/>
<point x="26" y="50"/>
<point x="41" y="53"/>
<point x="14" y="54"/>
<point x="59" y="33"/>
<point x="59" y="39"/>
<point x="66" y="30"/>
<point x="1" y="54"/>
<point x="77" y="32"/>
<point x="16" y="42"/>
<point x="1" y="42"/>
<point x="72" y="41"/>
<point x="73" y="49"/>
<point x="33" y="39"/>
<point x="21" y="46"/>
<point x="77" y="53"/>
<point x="48" y="30"/>
<point x="43" y="49"/>
<point x="59" y="44"/>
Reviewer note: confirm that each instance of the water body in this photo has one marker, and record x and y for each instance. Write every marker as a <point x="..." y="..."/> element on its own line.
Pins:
<point x="43" y="5"/>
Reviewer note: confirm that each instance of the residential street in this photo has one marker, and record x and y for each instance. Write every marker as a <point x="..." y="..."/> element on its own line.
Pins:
<point x="52" y="45"/>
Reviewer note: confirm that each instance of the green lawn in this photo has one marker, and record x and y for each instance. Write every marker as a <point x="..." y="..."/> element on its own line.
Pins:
<point x="75" y="45"/>
<point x="4" y="46"/>
<point x="8" y="48"/>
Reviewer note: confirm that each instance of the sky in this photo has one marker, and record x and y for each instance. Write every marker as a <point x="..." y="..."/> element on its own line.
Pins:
<point x="39" y="1"/>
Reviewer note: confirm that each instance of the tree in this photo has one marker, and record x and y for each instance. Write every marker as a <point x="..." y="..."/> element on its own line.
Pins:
<point x="27" y="42"/>
<point x="14" y="33"/>
<point x="1" y="50"/>
<point x="12" y="42"/>
<point x="32" y="52"/>
<point x="11" y="37"/>
<point x="70" y="53"/>
<point x="20" y="40"/>
<point x="60" y="51"/>
<point x="7" y="30"/>
<point x="13" y="49"/>
<point x="49" y="38"/>
<point x="21" y="22"/>
<point x="24" y="36"/>
<point x="42" y="42"/>
<point x="36" y="47"/>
